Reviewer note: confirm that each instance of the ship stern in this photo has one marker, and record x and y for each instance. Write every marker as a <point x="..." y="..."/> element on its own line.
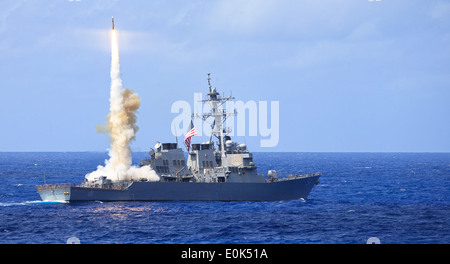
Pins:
<point x="55" y="192"/>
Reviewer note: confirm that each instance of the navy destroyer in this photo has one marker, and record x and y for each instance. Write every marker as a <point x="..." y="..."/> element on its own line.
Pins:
<point x="223" y="173"/>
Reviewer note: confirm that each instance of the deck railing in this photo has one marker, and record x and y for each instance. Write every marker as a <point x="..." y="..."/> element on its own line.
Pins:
<point x="295" y="176"/>
<point x="118" y="186"/>
<point x="54" y="186"/>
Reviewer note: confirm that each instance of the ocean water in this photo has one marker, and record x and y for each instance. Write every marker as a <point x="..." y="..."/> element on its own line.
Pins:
<point x="395" y="197"/>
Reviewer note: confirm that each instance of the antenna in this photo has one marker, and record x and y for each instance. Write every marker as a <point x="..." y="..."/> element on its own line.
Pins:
<point x="215" y="101"/>
<point x="176" y="134"/>
<point x="209" y="81"/>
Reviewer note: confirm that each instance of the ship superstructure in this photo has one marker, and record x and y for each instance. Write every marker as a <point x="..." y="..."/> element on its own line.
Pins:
<point x="226" y="172"/>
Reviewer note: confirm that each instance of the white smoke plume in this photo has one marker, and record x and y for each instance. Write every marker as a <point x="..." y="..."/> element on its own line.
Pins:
<point x="121" y="127"/>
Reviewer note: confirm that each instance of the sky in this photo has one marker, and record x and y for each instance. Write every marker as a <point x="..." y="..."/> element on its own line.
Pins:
<point x="349" y="75"/>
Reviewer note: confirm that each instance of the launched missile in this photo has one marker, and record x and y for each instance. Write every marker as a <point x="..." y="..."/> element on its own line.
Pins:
<point x="113" y="23"/>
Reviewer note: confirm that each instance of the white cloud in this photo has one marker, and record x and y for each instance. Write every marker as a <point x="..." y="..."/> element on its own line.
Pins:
<point x="151" y="42"/>
<point x="239" y="15"/>
<point x="282" y="18"/>
<point x="6" y="9"/>
<point x="441" y="10"/>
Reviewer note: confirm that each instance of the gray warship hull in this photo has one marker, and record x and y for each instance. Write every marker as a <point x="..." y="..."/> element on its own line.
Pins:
<point x="289" y="189"/>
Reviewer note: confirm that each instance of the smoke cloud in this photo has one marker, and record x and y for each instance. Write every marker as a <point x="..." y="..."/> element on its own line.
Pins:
<point x="121" y="128"/>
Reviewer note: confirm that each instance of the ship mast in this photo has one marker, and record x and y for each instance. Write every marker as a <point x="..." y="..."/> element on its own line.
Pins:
<point x="219" y="115"/>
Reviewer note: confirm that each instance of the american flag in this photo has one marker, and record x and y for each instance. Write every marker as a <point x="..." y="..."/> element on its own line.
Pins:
<point x="187" y="138"/>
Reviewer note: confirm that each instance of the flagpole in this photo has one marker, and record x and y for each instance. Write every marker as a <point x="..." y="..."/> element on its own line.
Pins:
<point x="189" y="134"/>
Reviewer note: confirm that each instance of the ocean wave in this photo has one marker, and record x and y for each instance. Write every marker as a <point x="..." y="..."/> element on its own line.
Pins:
<point x="5" y="204"/>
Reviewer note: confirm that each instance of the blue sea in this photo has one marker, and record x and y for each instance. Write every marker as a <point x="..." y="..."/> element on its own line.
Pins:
<point x="394" y="197"/>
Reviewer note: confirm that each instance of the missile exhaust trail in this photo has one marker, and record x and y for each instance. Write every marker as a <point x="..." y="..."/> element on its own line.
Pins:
<point x="121" y="128"/>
